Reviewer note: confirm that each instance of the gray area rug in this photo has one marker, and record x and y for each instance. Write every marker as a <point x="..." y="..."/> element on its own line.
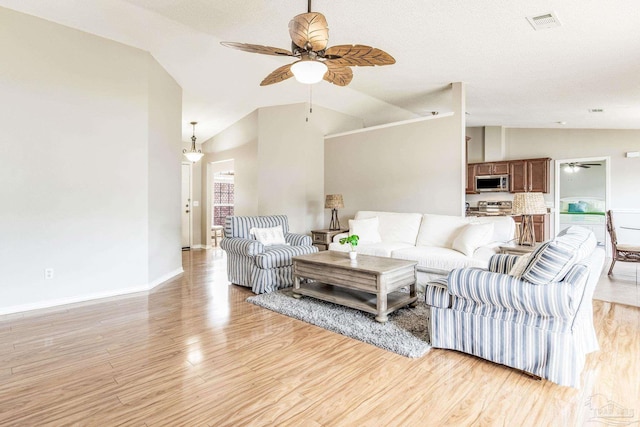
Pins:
<point x="404" y="333"/>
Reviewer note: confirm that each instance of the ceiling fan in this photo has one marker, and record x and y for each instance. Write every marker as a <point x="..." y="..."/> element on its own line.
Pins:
<point x="583" y="165"/>
<point x="309" y="34"/>
<point x="575" y="166"/>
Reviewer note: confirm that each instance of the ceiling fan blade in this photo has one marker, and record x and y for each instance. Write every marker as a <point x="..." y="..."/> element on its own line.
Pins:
<point x="337" y="74"/>
<point x="278" y="75"/>
<point x="256" y="48"/>
<point x="309" y="31"/>
<point x="360" y="55"/>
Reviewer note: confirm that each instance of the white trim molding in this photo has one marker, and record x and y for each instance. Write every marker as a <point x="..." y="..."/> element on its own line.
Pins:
<point x="90" y="297"/>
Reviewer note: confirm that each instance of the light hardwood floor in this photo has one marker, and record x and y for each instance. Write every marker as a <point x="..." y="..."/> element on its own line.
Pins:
<point x="194" y="353"/>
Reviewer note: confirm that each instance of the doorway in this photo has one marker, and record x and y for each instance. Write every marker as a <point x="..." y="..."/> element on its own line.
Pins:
<point x="582" y="195"/>
<point x="221" y="197"/>
<point x="185" y="206"/>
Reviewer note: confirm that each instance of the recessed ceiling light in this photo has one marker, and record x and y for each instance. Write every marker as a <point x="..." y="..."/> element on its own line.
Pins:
<point x="544" y="21"/>
<point x="596" y="110"/>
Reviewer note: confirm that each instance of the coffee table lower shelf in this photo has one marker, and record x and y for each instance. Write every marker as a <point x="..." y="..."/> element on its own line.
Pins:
<point x="353" y="298"/>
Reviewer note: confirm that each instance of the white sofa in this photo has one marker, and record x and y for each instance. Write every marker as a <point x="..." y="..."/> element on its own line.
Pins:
<point x="429" y="239"/>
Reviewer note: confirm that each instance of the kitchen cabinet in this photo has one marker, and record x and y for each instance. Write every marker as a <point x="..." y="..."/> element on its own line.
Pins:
<point x="530" y="175"/>
<point x="495" y="168"/>
<point x="471" y="179"/>
<point x="540" y="226"/>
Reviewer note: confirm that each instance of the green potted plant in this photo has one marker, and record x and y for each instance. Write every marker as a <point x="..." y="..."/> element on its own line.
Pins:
<point x="353" y="241"/>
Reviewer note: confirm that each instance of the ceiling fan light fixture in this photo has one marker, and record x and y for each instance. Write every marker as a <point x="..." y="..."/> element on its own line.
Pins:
<point x="308" y="71"/>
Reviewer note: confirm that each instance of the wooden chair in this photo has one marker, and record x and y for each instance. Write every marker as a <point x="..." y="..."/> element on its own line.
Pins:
<point x="620" y="252"/>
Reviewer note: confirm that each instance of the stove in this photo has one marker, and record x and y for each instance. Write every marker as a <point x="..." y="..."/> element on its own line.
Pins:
<point x="495" y="208"/>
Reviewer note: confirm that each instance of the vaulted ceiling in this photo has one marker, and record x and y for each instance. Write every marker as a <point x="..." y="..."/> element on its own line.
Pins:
<point x="515" y="76"/>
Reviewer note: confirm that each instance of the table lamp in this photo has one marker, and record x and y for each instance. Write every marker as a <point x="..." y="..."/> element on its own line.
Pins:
<point x="333" y="202"/>
<point x="528" y="204"/>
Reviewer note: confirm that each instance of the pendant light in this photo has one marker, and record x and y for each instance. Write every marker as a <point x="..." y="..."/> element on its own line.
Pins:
<point x="193" y="155"/>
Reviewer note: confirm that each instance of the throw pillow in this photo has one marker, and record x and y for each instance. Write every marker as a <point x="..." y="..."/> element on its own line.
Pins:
<point x="548" y="263"/>
<point x="472" y="237"/>
<point x="519" y="266"/>
<point x="366" y="229"/>
<point x="269" y="236"/>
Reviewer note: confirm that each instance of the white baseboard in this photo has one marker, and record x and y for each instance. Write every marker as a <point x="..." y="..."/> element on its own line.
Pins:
<point x="164" y="278"/>
<point x="89" y="297"/>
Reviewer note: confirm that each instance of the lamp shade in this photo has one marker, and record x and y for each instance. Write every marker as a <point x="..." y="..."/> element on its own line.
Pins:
<point x="193" y="156"/>
<point x="333" y="201"/>
<point x="308" y="71"/>
<point x="528" y="204"/>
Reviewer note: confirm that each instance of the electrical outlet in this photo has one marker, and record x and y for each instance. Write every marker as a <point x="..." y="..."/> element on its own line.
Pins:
<point x="48" y="273"/>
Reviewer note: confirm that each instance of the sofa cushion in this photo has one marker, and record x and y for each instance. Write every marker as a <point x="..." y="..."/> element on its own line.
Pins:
<point x="384" y="249"/>
<point x="365" y="229"/>
<point x="394" y="226"/>
<point x="504" y="227"/>
<point x="440" y="230"/>
<point x="434" y="258"/>
<point x="548" y="263"/>
<point x="472" y="237"/>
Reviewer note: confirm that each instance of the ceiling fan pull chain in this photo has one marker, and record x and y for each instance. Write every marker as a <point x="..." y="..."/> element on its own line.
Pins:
<point x="310" y="101"/>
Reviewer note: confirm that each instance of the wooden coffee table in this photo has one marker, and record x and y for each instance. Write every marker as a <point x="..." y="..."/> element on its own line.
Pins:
<point x="371" y="284"/>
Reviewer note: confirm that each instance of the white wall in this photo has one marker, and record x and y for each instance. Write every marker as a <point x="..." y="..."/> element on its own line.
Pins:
<point x="581" y="143"/>
<point x="164" y="182"/>
<point x="414" y="166"/>
<point x="75" y="167"/>
<point x="279" y="162"/>
<point x="240" y="144"/>
<point x="561" y="144"/>
<point x="291" y="167"/>
<point x="585" y="182"/>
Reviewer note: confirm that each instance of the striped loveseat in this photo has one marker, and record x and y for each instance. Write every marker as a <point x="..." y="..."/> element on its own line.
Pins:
<point x="534" y="314"/>
<point x="254" y="265"/>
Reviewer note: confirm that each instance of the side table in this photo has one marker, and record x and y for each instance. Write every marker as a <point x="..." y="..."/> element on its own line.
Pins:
<point x="322" y="238"/>
<point x="518" y="249"/>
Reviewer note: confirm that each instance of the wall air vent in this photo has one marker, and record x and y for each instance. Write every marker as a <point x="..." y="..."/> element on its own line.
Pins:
<point x="596" y="110"/>
<point x="542" y="22"/>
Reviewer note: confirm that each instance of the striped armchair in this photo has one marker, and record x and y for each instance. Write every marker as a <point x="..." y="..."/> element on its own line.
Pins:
<point x="254" y="265"/>
<point x="538" y="319"/>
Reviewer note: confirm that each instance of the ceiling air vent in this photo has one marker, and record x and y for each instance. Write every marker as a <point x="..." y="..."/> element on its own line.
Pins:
<point x="541" y="22"/>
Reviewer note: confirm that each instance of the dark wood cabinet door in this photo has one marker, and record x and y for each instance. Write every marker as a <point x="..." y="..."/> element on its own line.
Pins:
<point x="501" y="168"/>
<point x="518" y="176"/>
<point x="471" y="179"/>
<point x="484" y="169"/>
<point x="538" y="175"/>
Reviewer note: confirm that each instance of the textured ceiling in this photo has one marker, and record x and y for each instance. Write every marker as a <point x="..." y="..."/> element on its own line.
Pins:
<point x="515" y="76"/>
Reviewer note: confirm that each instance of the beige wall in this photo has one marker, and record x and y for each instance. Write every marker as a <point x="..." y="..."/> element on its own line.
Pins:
<point x="240" y="144"/>
<point x="475" y="147"/>
<point x="579" y="143"/>
<point x="278" y="160"/>
<point x="415" y="166"/>
<point x="164" y="189"/>
<point x="291" y="153"/>
<point x="75" y="166"/>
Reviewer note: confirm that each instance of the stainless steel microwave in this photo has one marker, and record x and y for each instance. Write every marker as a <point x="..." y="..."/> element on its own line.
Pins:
<point x="486" y="183"/>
